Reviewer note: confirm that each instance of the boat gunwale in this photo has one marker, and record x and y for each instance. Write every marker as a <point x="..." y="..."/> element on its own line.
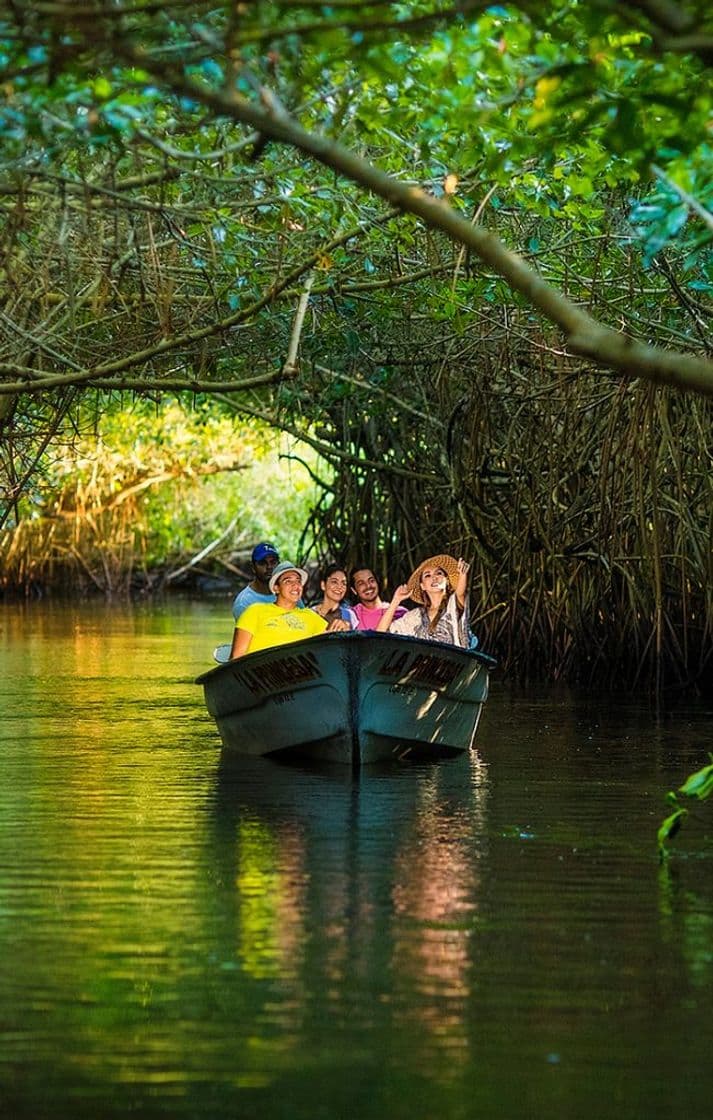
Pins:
<point x="348" y="637"/>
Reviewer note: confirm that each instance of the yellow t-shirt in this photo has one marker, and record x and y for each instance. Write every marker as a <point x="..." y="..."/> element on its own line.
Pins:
<point x="271" y="625"/>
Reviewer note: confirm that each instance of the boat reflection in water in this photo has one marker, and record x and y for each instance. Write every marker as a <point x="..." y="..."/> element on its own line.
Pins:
<point x="351" y="698"/>
<point x="346" y="885"/>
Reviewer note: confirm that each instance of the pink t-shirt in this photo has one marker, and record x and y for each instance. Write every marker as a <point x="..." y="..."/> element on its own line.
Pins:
<point x="368" y="617"/>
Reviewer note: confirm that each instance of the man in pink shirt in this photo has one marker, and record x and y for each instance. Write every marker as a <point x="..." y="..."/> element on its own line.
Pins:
<point x="370" y="606"/>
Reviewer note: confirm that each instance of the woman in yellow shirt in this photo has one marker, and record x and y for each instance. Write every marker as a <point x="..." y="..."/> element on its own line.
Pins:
<point x="264" y="625"/>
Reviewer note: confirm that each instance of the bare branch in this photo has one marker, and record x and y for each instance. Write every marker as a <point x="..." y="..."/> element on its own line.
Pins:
<point x="290" y="364"/>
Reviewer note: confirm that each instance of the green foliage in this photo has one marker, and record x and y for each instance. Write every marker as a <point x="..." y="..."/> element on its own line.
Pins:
<point x="575" y="90"/>
<point x="697" y="787"/>
<point x="148" y="487"/>
<point x="580" y="92"/>
<point x="669" y="828"/>
<point x="669" y="214"/>
<point x="700" y="784"/>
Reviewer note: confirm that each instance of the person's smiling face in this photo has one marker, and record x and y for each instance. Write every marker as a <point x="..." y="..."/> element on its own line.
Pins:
<point x="434" y="579"/>
<point x="335" y="586"/>
<point x="289" y="588"/>
<point x="365" y="587"/>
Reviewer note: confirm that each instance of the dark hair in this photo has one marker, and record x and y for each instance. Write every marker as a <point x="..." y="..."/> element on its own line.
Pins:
<point x="362" y="568"/>
<point x="331" y="569"/>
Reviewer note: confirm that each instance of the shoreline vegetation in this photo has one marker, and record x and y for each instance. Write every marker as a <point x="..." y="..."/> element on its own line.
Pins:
<point x="588" y="515"/>
<point x="590" y="536"/>
<point x="146" y="499"/>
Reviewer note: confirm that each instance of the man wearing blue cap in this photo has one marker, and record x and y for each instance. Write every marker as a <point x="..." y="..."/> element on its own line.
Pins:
<point x="264" y="559"/>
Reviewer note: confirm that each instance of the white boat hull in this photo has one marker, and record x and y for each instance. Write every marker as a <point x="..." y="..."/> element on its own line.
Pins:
<point x="351" y="698"/>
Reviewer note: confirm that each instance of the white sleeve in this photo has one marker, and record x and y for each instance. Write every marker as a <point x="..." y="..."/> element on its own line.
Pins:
<point x="406" y="624"/>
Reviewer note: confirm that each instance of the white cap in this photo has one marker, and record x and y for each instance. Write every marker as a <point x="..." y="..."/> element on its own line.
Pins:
<point x="280" y="570"/>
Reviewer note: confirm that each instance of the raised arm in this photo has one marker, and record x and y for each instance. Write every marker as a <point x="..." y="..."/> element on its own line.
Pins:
<point x="461" y="582"/>
<point x="397" y="599"/>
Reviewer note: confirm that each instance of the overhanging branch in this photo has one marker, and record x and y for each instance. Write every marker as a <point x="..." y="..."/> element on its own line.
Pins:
<point x="584" y="335"/>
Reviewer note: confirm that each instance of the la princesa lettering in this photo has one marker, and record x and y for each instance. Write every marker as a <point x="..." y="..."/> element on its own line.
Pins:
<point x="424" y="668"/>
<point x="279" y="674"/>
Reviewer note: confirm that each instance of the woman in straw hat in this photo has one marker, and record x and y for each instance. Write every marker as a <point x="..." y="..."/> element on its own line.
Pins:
<point x="438" y="585"/>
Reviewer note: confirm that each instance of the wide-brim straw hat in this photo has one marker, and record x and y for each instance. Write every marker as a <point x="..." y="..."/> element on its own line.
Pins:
<point x="449" y="565"/>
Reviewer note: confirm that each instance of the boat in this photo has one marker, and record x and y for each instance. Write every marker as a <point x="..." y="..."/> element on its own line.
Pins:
<point x="352" y="698"/>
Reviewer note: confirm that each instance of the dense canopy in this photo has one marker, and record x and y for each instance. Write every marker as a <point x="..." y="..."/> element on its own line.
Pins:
<point x="458" y="248"/>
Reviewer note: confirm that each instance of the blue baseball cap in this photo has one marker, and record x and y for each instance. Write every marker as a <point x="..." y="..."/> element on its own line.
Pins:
<point x="263" y="550"/>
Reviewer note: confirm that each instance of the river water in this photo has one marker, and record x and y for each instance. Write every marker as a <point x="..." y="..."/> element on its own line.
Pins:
<point x="491" y="937"/>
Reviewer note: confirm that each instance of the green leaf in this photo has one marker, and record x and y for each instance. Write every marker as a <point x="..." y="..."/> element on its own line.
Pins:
<point x="700" y="784"/>
<point x="102" y="89"/>
<point x="670" y="827"/>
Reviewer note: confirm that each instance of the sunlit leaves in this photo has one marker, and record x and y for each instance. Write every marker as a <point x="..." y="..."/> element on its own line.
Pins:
<point x="102" y="88"/>
<point x="543" y="101"/>
<point x="152" y="483"/>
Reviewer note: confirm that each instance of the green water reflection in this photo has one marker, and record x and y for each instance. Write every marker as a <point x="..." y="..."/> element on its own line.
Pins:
<point x="186" y="936"/>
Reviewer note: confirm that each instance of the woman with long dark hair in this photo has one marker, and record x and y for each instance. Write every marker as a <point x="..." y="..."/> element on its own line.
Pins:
<point x="334" y="588"/>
